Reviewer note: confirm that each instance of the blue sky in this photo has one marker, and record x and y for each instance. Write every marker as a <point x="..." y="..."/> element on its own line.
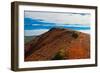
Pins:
<point x="36" y="23"/>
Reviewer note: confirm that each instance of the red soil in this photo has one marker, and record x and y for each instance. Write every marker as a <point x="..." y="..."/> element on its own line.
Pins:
<point x="75" y="44"/>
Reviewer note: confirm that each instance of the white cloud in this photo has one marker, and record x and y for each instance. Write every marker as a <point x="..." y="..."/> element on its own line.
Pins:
<point x="34" y="32"/>
<point x="59" y="18"/>
<point x="35" y="24"/>
<point x="84" y="31"/>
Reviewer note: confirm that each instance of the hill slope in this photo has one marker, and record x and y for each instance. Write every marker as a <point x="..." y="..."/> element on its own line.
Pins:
<point x="58" y="43"/>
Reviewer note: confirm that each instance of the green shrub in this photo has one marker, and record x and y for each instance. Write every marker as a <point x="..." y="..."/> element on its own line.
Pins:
<point x="58" y="57"/>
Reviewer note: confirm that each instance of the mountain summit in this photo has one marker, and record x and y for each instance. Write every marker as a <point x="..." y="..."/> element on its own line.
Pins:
<point x="58" y="44"/>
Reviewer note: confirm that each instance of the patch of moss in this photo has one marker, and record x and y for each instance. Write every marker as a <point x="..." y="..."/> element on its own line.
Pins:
<point x="60" y="55"/>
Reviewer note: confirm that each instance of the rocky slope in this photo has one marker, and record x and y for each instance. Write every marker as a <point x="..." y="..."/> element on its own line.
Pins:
<point x="58" y="43"/>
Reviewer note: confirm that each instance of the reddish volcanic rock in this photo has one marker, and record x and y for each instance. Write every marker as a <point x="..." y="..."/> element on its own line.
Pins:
<point x="79" y="49"/>
<point x="71" y="44"/>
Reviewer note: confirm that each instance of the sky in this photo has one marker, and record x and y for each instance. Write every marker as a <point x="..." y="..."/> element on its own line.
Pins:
<point x="39" y="22"/>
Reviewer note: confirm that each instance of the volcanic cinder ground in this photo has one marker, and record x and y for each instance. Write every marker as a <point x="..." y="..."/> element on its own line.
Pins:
<point x="58" y="44"/>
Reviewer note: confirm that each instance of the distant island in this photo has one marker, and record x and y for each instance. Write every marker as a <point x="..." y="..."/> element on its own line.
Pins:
<point x="58" y="44"/>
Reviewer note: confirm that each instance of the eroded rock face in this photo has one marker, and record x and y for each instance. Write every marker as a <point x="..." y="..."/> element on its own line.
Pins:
<point x="68" y="44"/>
